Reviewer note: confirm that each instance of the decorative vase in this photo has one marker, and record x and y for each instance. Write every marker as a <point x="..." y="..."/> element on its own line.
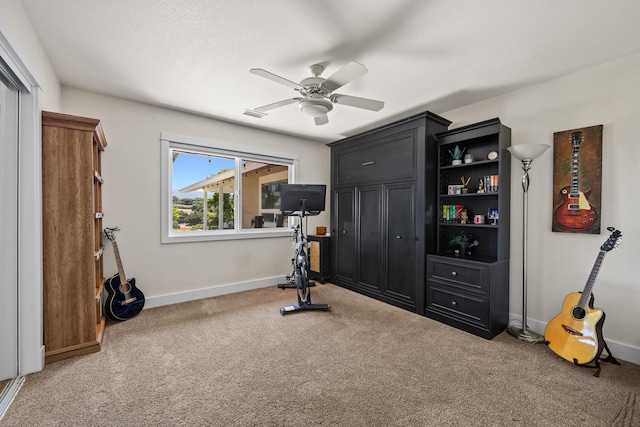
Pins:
<point x="456" y="162"/>
<point x="461" y="251"/>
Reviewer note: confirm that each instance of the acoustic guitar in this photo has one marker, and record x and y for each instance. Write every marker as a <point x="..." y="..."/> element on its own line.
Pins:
<point x="575" y="212"/>
<point x="124" y="300"/>
<point x="576" y="333"/>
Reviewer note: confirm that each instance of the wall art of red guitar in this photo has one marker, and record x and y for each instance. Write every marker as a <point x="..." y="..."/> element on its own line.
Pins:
<point x="575" y="212"/>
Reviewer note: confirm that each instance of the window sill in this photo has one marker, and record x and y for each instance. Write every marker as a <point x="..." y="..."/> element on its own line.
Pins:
<point x="205" y="236"/>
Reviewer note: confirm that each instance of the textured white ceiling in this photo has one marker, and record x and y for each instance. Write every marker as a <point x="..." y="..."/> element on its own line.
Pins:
<point x="436" y="55"/>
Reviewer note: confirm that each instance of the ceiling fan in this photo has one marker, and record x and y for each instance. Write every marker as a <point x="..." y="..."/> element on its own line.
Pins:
<point x="317" y="97"/>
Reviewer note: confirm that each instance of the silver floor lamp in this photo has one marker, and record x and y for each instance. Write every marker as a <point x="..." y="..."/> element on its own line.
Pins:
<point x="526" y="153"/>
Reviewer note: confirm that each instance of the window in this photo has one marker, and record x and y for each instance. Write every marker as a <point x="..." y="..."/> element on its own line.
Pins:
<point x="217" y="191"/>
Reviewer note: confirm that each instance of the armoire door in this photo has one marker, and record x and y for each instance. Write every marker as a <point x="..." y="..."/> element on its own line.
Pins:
<point x="369" y="236"/>
<point x="344" y="236"/>
<point x="400" y="251"/>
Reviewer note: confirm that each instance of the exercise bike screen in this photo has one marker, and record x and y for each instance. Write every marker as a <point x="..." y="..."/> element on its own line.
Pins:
<point x="294" y="196"/>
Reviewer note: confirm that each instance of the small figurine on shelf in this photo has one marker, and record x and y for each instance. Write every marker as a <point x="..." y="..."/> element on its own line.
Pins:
<point x="481" y="185"/>
<point x="464" y="216"/>
<point x="465" y="184"/>
<point x="456" y="155"/>
<point x="493" y="215"/>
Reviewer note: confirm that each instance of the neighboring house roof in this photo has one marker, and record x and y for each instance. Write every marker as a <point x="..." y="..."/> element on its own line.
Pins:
<point x="224" y="180"/>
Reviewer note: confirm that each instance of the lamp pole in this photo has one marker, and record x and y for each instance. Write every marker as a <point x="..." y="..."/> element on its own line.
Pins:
<point x="525" y="153"/>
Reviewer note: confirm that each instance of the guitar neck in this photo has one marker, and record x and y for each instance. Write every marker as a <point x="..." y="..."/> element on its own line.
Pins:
<point x="116" y="253"/>
<point x="576" y="137"/>
<point x="586" y="293"/>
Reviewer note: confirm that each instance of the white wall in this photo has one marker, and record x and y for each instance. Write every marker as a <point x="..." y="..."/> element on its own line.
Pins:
<point x="131" y="199"/>
<point x="560" y="263"/>
<point x="24" y="56"/>
<point x="18" y="29"/>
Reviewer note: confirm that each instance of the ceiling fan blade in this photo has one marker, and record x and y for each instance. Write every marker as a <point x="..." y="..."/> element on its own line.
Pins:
<point x="354" y="101"/>
<point x="273" y="77"/>
<point x="276" y="105"/>
<point x="321" y="120"/>
<point x="344" y="75"/>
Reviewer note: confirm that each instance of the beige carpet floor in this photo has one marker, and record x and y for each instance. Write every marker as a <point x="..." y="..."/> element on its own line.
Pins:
<point x="235" y="361"/>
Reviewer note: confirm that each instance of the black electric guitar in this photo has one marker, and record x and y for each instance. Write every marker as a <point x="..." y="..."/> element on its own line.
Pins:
<point x="576" y="333"/>
<point x="124" y="300"/>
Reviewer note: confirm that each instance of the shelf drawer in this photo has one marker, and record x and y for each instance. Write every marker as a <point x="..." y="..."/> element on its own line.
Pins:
<point x="466" y="308"/>
<point x="465" y="274"/>
<point x="392" y="160"/>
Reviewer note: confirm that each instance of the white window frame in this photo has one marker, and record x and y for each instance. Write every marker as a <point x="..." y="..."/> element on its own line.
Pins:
<point x="171" y="142"/>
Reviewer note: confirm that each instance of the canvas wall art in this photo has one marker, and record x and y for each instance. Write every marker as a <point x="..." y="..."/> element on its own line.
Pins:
<point x="577" y="180"/>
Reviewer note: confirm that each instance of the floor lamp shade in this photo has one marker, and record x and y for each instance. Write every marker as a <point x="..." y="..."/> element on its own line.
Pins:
<point x="525" y="153"/>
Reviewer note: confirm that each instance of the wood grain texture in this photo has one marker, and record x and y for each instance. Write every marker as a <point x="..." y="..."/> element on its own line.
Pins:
<point x="72" y="273"/>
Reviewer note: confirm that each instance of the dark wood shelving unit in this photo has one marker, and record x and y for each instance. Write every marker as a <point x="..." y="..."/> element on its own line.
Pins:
<point x="471" y="291"/>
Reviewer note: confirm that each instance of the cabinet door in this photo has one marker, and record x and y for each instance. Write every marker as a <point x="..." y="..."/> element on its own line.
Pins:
<point x="369" y="213"/>
<point x="400" y="253"/>
<point x="384" y="159"/>
<point x="344" y="232"/>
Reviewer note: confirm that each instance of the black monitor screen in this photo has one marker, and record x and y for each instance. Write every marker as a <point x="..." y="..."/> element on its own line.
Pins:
<point x="295" y="197"/>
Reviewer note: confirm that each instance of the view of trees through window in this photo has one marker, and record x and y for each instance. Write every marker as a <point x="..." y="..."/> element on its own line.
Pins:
<point x="204" y="187"/>
<point x="191" y="173"/>
<point x="188" y="213"/>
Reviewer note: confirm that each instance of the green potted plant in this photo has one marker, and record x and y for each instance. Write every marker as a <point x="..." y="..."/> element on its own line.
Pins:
<point x="464" y="242"/>
<point x="457" y="155"/>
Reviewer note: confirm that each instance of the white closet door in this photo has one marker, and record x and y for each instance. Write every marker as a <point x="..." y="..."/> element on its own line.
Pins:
<point x="21" y="221"/>
<point x="8" y="231"/>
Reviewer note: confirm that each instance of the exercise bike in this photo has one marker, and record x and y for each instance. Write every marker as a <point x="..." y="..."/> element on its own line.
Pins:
<point x="290" y="278"/>
<point x="302" y="201"/>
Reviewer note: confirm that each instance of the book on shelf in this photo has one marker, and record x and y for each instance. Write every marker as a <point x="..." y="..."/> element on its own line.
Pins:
<point x="451" y="213"/>
<point x="491" y="183"/>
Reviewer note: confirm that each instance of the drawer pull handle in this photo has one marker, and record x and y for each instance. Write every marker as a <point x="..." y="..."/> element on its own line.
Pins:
<point x="453" y="273"/>
<point x="368" y="163"/>
<point x="398" y="237"/>
<point x="453" y="303"/>
<point x="344" y="231"/>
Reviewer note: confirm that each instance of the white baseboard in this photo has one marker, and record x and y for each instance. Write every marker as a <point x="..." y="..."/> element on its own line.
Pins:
<point x="619" y="350"/>
<point x="213" y="291"/>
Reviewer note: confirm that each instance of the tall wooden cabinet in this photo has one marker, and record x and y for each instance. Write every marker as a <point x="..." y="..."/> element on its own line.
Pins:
<point x="383" y="201"/>
<point x="72" y="235"/>
<point x="471" y="290"/>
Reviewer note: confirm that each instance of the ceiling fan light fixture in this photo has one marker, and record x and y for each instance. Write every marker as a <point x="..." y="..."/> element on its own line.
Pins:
<point x="315" y="107"/>
<point x="316" y="97"/>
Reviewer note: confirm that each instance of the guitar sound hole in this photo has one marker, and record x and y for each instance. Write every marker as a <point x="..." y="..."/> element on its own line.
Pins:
<point x="125" y="288"/>
<point x="578" y="313"/>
